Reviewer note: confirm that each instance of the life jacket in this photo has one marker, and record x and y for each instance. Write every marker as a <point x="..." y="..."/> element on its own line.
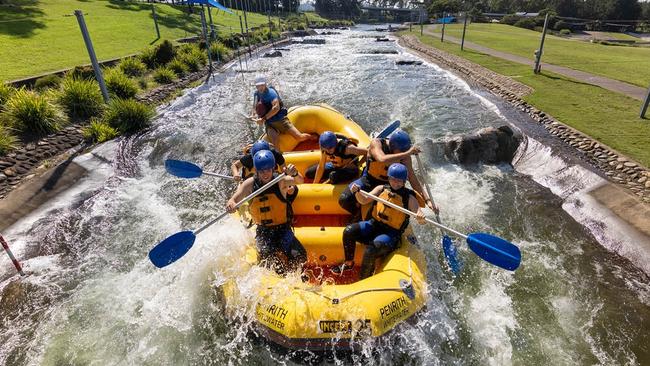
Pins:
<point x="375" y="169"/>
<point x="262" y="108"/>
<point x="338" y="158"/>
<point x="271" y="208"/>
<point x="388" y="215"/>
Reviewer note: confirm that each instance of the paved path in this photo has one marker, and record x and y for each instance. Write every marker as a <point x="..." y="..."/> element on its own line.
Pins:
<point x="603" y="82"/>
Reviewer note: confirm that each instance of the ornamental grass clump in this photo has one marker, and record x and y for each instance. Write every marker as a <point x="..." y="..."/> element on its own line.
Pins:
<point x="6" y="91"/>
<point x="178" y="67"/>
<point x="81" y="98"/>
<point x="128" y="115"/>
<point x="99" y="131"/>
<point x="164" y="75"/>
<point x="194" y="59"/>
<point x="47" y="82"/>
<point x="7" y="140"/>
<point x="219" y="51"/>
<point x="132" y="67"/>
<point x="31" y="112"/>
<point x="120" y="85"/>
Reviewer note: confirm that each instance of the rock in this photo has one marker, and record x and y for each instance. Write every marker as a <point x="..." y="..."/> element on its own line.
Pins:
<point x="647" y="184"/>
<point x="9" y="172"/>
<point x="2" y="177"/>
<point x="381" y="52"/>
<point x="21" y="157"/>
<point x="621" y="160"/>
<point x="21" y="169"/>
<point x="5" y="164"/>
<point x="408" y="62"/>
<point x="272" y="54"/>
<point x="642" y="180"/>
<point x="489" y="145"/>
<point x="382" y="39"/>
<point x="619" y="167"/>
<point x="629" y="165"/>
<point x="313" y="41"/>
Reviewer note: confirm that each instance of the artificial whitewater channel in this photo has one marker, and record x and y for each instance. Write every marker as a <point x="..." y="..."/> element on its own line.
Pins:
<point x="581" y="295"/>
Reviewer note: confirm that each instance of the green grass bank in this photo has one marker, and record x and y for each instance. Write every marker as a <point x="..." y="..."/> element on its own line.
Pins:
<point x="629" y="64"/>
<point x="608" y="117"/>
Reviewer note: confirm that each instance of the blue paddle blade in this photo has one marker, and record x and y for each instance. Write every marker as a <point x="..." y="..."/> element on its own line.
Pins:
<point x="451" y="253"/>
<point x="495" y="250"/>
<point x="390" y="128"/>
<point x="171" y="249"/>
<point x="183" y="169"/>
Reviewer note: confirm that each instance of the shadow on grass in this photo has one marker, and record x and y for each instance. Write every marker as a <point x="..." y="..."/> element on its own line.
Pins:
<point x="20" y="18"/>
<point x="564" y="79"/>
<point x="184" y="21"/>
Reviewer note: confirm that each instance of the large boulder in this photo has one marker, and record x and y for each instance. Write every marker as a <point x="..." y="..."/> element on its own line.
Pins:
<point x="488" y="145"/>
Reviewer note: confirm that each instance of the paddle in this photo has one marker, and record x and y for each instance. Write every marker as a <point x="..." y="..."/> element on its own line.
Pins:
<point x="175" y="246"/>
<point x="490" y="248"/>
<point x="448" y="247"/>
<point x="185" y="169"/>
<point x="390" y="128"/>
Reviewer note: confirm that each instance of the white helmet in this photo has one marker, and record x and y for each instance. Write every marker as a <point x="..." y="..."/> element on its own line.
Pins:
<point x="260" y="80"/>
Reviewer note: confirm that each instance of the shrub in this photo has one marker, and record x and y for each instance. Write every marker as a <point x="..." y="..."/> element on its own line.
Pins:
<point x="47" y="81"/>
<point x="565" y="32"/>
<point x="99" y="131"/>
<point x="510" y="19"/>
<point x="81" y="98"/>
<point x="148" y="57"/>
<point x="143" y="83"/>
<point x="119" y="84"/>
<point x="164" y="75"/>
<point x="233" y="41"/>
<point x="177" y="66"/>
<point x="561" y="24"/>
<point x="194" y="60"/>
<point x="186" y="48"/>
<point x="527" y="23"/>
<point x="132" y="66"/>
<point x="31" y="112"/>
<point x="128" y="115"/>
<point x="164" y="52"/>
<point x="6" y="91"/>
<point x="219" y="51"/>
<point x="7" y="140"/>
<point x="82" y="72"/>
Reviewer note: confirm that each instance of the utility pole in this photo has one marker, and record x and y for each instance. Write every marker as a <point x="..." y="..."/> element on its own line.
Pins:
<point x="212" y="32"/>
<point x="91" y="54"/>
<point x="538" y="53"/>
<point x="462" y="41"/>
<point x="207" y="40"/>
<point x="646" y="102"/>
<point x="155" y="19"/>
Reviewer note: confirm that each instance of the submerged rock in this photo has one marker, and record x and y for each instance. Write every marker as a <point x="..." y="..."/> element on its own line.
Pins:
<point x="408" y="62"/>
<point x="273" y="54"/>
<point x="313" y="41"/>
<point x="488" y="145"/>
<point x="381" y="39"/>
<point x="380" y="52"/>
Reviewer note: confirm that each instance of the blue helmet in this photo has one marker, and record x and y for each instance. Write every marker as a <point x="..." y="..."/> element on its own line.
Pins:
<point x="399" y="140"/>
<point x="263" y="160"/>
<point x="258" y="146"/>
<point x="327" y="140"/>
<point x="398" y="171"/>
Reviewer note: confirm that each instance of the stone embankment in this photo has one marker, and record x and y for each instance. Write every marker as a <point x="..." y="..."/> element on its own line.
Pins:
<point x="618" y="168"/>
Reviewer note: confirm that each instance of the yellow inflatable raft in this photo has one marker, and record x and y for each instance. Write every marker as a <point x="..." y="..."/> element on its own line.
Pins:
<point x="329" y="311"/>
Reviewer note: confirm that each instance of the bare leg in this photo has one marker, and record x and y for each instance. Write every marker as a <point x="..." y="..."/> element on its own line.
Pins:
<point x="274" y="136"/>
<point x="299" y="136"/>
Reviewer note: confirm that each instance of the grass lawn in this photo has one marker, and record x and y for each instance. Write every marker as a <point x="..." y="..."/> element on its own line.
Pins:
<point x="42" y="36"/>
<point x="608" y="117"/>
<point x="629" y="64"/>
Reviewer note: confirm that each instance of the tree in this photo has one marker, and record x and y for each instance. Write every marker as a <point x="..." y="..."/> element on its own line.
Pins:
<point x="440" y="6"/>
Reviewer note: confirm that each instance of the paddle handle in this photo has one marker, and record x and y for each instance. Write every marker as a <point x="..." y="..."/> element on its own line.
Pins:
<point x="410" y="213"/>
<point x="19" y="268"/>
<point x="219" y="175"/>
<point x="244" y="200"/>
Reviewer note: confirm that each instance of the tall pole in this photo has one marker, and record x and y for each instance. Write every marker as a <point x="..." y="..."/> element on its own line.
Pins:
<point x="538" y="53"/>
<point x="207" y="39"/>
<point x="442" y="36"/>
<point x="155" y="19"/>
<point x="241" y="25"/>
<point x="421" y="22"/>
<point x="91" y="54"/>
<point x="211" y="23"/>
<point x="646" y="102"/>
<point x="462" y="41"/>
<point x="11" y="256"/>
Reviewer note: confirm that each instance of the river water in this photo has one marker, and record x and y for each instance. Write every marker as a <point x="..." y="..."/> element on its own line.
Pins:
<point x="581" y="295"/>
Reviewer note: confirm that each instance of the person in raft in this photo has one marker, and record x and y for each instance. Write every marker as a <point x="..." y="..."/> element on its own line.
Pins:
<point x="243" y="167"/>
<point x="381" y="154"/>
<point x="271" y="212"/>
<point x="382" y="232"/>
<point x="269" y="109"/>
<point x="338" y="160"/>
